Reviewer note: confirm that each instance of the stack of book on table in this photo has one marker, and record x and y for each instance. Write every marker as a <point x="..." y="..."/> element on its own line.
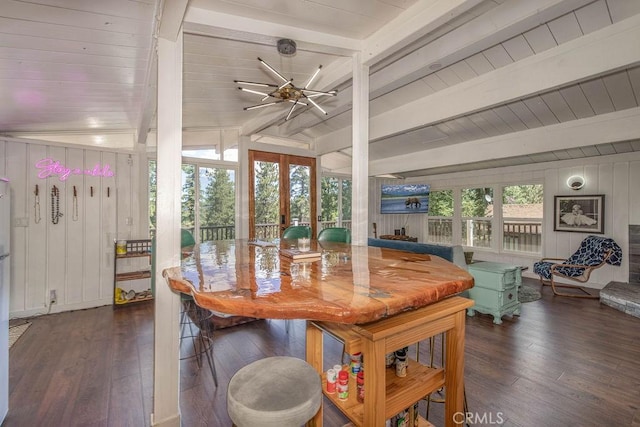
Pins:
<point x="297" y="255"/>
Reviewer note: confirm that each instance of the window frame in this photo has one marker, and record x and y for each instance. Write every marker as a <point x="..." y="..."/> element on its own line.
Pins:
<point x="497" y="220"/>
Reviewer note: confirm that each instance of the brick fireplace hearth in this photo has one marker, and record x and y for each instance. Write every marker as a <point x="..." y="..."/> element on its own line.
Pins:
<point x="626" y="296"/>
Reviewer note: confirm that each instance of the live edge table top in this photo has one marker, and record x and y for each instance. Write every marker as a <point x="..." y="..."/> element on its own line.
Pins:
<point x="345" y="284"/>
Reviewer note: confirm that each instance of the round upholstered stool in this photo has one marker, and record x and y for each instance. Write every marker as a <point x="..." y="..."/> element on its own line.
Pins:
<point x="276" y="391"/>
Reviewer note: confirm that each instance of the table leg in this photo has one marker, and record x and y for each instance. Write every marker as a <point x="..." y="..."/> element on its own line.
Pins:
<point x="375" y="383"/>
<point x="454" y="372"/>
<point x="314" y="354"/>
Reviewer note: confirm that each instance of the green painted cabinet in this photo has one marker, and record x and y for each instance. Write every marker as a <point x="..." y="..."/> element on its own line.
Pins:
<point x="496" y="289"/>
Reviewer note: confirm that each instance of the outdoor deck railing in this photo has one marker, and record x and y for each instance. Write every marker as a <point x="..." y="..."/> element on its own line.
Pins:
<point x="521" y="235"/>
<point x="263" y="231"/>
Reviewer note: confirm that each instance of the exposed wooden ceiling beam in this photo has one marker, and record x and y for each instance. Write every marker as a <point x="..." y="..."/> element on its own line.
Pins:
<point x="613" y="48"/>
<point x="610" y="128"/>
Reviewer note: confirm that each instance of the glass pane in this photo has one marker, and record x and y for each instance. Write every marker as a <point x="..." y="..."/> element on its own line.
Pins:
<point x="522" y="218"/>
<point x="477" y="204"/>
<point x="440" y="219"/>
<point x="188" y="197"/>
<point x="230" y="138"/>
<point x="231" y="153"/>
<point x="476" y="232"/>
<point x="267" y="199"/>
<point x="153" y="196"/>
<point x="441" y="203"/>
<point x="217" y="204"/>
<point x="210" y="154"/>
<point x="440" y="230"/>
<point x="299" y="188"/>
<point x="346" y="203"/>
<point x="329" y="199"/>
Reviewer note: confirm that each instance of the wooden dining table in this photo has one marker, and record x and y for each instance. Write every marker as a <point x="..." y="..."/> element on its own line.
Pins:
<point x="375" y="300"/>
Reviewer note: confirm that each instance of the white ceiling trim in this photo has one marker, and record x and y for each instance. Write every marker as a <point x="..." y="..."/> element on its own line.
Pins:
<point x="234" y="25"/>
<point x="610" y="128"/>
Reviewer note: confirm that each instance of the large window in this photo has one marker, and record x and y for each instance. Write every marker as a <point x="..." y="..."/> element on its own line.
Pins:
<point x="440" y="218"/>
<point x="476" y="217"/>
<point x="208" y="200"/>
<point x="503" y="218"/>
<point x="522" y="218"/>
<point x="336" y="202"/>
<point x="217" y="210"/>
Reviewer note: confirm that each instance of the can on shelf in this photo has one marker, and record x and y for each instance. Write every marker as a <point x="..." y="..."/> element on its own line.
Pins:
<point x="401" y="363"/>
<point x="332" y="379"/>
<point x="343" y="385"/>
<point x="121" y="247"/>
<point x="390" y="359"/>
<point x="360" y="386"/>
<point x="356" y="364"/>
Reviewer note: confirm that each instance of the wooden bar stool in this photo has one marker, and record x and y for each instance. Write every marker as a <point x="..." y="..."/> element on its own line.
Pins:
<point x="277" y="391"/>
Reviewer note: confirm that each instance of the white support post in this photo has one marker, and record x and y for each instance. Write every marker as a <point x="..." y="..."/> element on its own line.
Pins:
<point x="360" y="161"/>
<point x="166" y="396"/>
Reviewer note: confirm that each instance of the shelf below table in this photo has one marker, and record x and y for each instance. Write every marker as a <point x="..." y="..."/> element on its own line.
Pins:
<point x="419" y="382"/>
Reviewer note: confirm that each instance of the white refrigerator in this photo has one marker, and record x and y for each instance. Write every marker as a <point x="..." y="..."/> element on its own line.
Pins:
<point x="4" y="297"/>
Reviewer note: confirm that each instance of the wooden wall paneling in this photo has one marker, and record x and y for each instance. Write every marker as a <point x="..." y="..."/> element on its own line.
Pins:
<point x="56" y="233"/>
<point x="138" y="191"/>
<point x="634" y="196"/>
<point x="108" y="231"/>
<point x="618" y="206"/>
<point x="91" y="202"/>
<point x="124" y="166"/>
<point x="549" y="238"/>
<point x="606" y="187"/>
<point x="15" y="171"/>
<point x="36" y="266"/>
<point x="74" y="223"/>
<point x="591" y="174"/>
<point x="604" y="275"/>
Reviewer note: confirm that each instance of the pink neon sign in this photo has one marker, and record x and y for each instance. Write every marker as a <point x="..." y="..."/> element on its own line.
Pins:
<point x="49" y="167"/>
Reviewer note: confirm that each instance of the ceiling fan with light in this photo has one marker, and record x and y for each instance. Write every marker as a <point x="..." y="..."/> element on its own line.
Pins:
<point x="286" y="91"/>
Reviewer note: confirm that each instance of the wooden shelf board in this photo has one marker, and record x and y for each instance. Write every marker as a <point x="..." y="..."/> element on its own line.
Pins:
<point x="133" y="275"/>
<point x="134" y="300"/>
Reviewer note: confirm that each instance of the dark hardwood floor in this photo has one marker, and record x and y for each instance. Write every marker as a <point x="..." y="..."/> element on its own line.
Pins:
<point x="563" y="362"/>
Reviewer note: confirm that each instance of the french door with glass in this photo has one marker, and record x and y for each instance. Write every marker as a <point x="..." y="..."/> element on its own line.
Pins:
<point x="282" y="192"/>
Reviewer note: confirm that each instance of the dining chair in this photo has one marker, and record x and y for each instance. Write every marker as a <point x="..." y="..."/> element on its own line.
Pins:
<point x="335" y="234"/>
<point x="202" y="338"/>
<point x="296" y="232"/>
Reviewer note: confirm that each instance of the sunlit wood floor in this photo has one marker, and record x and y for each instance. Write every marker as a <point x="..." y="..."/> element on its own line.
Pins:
<point x="563" y="362"/>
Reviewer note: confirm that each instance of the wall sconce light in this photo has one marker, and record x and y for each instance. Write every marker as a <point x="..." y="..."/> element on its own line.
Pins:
<point x="575" y="182"/>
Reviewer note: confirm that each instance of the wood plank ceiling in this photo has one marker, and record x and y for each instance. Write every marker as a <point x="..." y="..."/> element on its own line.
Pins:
<point x="83" y="72"/>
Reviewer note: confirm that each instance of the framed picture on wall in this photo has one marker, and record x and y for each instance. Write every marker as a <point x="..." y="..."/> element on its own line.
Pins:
<point x="584" y="214"/>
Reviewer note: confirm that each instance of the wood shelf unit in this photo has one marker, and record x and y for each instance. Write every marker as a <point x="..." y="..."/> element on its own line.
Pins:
<point x="135" y="248"/>
<point x="385" y="394"/>
<point x="419" y="382"/>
